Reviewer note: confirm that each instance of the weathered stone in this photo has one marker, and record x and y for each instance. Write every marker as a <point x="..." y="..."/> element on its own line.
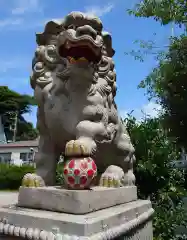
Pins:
<point x="74" y="82"/>
<point x="125" y="220"/>
<point x="75" y="201"/>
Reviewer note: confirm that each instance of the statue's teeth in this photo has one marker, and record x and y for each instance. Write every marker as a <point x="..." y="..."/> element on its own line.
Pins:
<point x="82" y="59"/>
<point x="73" y="60"/>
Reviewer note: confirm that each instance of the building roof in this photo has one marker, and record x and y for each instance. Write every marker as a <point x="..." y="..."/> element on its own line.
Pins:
<point x="33" y="143"/>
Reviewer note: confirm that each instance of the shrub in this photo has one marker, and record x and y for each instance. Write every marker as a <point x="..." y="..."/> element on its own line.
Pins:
<point x="156" y="179"/>
<point x="59" y="174"/>
<point x="11" y="175"/>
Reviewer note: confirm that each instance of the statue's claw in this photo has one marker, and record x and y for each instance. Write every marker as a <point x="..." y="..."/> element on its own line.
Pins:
<point x="110" y="180"/>
<point x="32" y="180"/>
<point x="76" y="148"/>
<point x="112" y="177"/>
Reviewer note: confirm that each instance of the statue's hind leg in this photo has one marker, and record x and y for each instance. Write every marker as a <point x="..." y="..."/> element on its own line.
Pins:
<point x="123" y="158"/>
<point x="119" y="175"/>
<point x="46" y="162"/>
<point x="129" y="178"/>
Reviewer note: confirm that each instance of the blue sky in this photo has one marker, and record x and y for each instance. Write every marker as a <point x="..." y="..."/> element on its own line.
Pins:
<point x="20" y="19"/>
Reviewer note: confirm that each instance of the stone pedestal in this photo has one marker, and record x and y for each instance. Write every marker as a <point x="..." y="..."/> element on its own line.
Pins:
<point x="75" y="201"/>
<point x="128" y="218"/>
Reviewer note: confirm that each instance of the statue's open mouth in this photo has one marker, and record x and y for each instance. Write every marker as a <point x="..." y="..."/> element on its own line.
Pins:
<point x="80" y="52"/>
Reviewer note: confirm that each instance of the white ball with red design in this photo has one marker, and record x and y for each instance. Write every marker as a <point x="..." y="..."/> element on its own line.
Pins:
<point x="79" y="172"/>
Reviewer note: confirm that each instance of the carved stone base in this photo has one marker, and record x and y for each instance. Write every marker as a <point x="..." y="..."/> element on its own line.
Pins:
<point x="75" y="201"/>
<point x="129" y="221"/>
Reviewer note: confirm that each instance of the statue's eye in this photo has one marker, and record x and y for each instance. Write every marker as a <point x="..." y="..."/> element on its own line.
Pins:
<point x="71" y="26"/>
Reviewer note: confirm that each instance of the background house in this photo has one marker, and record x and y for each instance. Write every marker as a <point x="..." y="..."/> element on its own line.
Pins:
<point x="18" y="153"/>
<point x="2" y="132"/>
<point x="182" y="162"/>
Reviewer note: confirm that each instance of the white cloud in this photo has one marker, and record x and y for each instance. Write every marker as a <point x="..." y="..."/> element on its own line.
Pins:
<point x="21" y="24"/>
<point x="10" y="22"/>
<point x="151" y="109"/>
<point x="25" y="14"/>
<point x="99" y="11"/>
<point x="26" y="6"/>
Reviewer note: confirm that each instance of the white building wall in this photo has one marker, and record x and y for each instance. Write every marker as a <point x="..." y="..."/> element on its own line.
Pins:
<point x="15" y="153"/>
<point x="15" y="158"/>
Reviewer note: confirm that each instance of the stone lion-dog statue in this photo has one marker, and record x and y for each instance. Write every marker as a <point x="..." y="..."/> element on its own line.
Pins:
<point x="74" y="84"/>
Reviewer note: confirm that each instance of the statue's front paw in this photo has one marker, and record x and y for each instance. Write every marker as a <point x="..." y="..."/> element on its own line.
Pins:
<point x="32" y="180"/>
<point x="112" y="177"/>
<point x="110" y="180"/>
<point x="77" y="148"/>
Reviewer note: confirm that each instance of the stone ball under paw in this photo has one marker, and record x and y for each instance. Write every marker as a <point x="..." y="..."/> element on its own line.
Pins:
<point x="79" y="172"/>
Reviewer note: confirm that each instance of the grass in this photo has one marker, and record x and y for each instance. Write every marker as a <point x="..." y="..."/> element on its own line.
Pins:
<point x="8" y="190"/>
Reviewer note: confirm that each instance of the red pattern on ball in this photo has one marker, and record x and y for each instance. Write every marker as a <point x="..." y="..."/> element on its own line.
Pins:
<point x="71" y="180"/>
<point x="84" y="164"/>
<point x="76" y="172"/>
<point x="83" y="180"/>
<point x="65" y="171"/>
<point x="79" y="172"/>
<point x="71" y="164"/>
<point x="90" y="173"/>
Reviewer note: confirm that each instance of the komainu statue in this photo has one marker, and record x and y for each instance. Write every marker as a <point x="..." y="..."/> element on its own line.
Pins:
<point x="74" y="84"/>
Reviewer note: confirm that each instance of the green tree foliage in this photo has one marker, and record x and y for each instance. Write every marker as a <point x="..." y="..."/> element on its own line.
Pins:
<point x="25" y="130"/>
<point x="11" y="101"/>
<point x="164" y="11"/>
<point x="156" y="179"/>
<point x="12" y="105"/>
<point x="167" y="83"/>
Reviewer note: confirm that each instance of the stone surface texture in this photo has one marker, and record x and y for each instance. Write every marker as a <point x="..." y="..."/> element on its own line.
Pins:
<point x="75" y="201"/>
<point x="127" y="220"/>
<point x="74" y="82"/>
<point x="8" y="198"/>
<point x="143" y="232"/>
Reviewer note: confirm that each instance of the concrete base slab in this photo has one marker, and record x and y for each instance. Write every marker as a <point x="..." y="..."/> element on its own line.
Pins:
<point x="75" y="201"/>
<point x="119" y="222"/>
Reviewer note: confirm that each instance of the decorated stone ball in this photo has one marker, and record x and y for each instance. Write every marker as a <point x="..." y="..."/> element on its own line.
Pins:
<point x="79" y="172"/>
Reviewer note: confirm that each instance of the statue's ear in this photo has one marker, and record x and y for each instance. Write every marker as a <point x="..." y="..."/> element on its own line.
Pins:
<point x="53" y="27"/>
<point x="107" y="38"/>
